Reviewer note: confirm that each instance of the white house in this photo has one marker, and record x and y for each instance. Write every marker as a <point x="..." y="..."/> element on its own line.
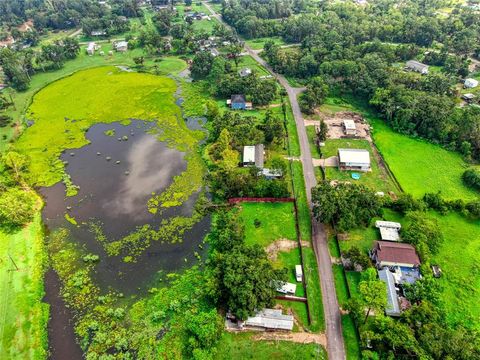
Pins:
<point x="253" y="155"/>
<point x="389" y="230"/>
<point x="354" y="159"/>
<point x="349" y="127"/>
<point x="270" y="319"/>
<point x="121" y="46"/>
<point x="470" y="83"/>
<point x="417" y="66"/>
<point x="91" y="47"/>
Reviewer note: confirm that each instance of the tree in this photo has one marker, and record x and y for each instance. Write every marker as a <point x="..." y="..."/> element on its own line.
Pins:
<point x="203" y="330"/>
<point x="54" y="54"/>
<point x="322" y="131"/>
<point x="17" y="206"/>
<point x="273" y="128"/>
<point x="372" y="293"/>
<point x="423" y="232"/>
<point x="357" y="257"/>
<point x="202" y="64"/>
<point x="17" y="163"/>
<point x="314" y="95"/>
<point x="139" y="60"/>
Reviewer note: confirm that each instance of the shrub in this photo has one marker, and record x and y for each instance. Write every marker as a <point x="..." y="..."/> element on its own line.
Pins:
<point x="17" y="207"/>
<point x="471" y="178"/>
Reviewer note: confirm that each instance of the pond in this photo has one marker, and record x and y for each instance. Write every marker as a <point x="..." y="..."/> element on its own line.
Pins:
<point x="117" y="173"/>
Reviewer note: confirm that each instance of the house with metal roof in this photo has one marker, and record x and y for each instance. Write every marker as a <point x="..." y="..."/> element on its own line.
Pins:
<point x="245" y="72"/>
<point x="287" y="288"/>
<point x="121" y="46"/>
<point x="349" y="127"/>
<point x="254" y="155"/>
<point x="417" y="67"/>
<point x="354" y="159"/>
<point x="270" y="319"/>
<point x="470" y="83"/>
<point x="393" y="304"/>
<point x="388" y="253"/>
<point x="389" y="230"/>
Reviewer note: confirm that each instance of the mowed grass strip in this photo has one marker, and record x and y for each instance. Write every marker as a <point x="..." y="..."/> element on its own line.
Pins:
<point x="341" y="286"/>
<point x="243" y="346"/>
<point x="267" y="222"/>
<point x="350" y="337"/>
<point x="23" y="315"/>
<point x="422" y="167"/>
<point x="314" y="293"/>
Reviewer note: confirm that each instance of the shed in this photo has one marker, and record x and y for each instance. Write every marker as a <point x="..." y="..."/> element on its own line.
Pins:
<point x="468" y="97"/>
<point x="272" y="173"/>
<point x="387" y="253"/>
<point x="98" y="33"/>
<point x="393" y="305"/>
<point x="470" y="83"/>
<point x="91" y="47"/>
<point x="349" y="127"/>
<point x="417" y="66"/>
<point x="287" y="288"/>
<point x="238" y="102"/>
<point x="389" y="230"/>
<point x="354" y="159"/>
<point x="245" y="72"/>
<point x="298" y="273"/>
<point x="214" y="52"/>
<point x="121" y="46"/>
<point x="270" y="319"/>
<point x="253" y="155"/>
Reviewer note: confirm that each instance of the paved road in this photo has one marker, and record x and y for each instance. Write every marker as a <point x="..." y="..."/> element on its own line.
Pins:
<point x="335" y="347"/>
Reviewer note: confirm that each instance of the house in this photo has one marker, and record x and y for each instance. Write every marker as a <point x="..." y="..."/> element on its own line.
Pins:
<point x="253" y="156"/>
<point x="121" y="46"/>
<point x="98" y="33"/>
<point x="354" y="159"/>
<point x="417" y="66"/>
<point x="389" y="230"/>
<point x="238" y="102"/>
<point x="271" y="174"/>
<point x="270" y="319"/>
<point x="214" y="52"/>
<point x="387" y="253"/>
<point x="245" y="72"/>
<point x="287" y="288"/>
<point x="470" y="83"/>
<point x="91" y="48"/>
<point x="393" y="303"/>
<point x="298" y="273"/>
<point x="468" y="97"/>
<point x="349" y="127"/>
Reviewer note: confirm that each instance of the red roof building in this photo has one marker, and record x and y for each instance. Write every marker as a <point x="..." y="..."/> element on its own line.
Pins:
<point x="386" y="253"/>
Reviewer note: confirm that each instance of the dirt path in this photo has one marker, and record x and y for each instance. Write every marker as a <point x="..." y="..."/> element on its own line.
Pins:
<point x="280" y="245"/>
<point x="297" y="337"/>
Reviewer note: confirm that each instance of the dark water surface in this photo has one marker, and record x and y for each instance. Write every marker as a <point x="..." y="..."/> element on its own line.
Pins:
<point x="117" y="201"/>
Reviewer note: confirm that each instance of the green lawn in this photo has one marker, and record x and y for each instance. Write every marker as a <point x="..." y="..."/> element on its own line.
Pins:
<point x="459" y="259"/>
<point x="352" y="345"/>
<point x="288" y="260"/>
<point x="23" y="315"/>
<point x="304" y="219"/>
<point x="312" y="135"/>
<point x="377" y="179"/>
<point x="257" y="44"/>
<point x="277" y="221"/>
<point x="314" y="293"/>
<point x="353" y="278"/>
<point x="332" y="246"/>
<point x="299" y="309"/>
<point x="248" y="61"/>
<point x="420" y="166"/>
<point x="340" y="285"/>
<point x="241" y="346"/>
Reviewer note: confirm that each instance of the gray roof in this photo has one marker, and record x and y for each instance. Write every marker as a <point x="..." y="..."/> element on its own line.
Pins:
<point x="238" y="98"/>
<point x="416" y="65"/>
<point x="271" y="319"/>
<point x="393" y="306"/>
<point x="259" y="156"/>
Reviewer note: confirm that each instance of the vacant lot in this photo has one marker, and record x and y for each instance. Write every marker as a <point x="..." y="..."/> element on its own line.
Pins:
<point x="259" y="43"/>
<point x="420" y="166"/>
<point x="267" y="222"/>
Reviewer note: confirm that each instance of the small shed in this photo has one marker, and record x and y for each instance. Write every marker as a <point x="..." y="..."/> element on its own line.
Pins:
<point x="470" y="83"/>
<point x="91" y="47"/>
<point x="214" y="52"/>
<point x="121" y="46"/>
<point x="389" y="230"/>
<point x="245" y="72"/>
<point x="354" y="159"/>
<point x="98" y="33"/>
<point x="298" y="273"/>
<point x="417" y="66"/>
<point x="393" y="305"/>
<point x="287" y="288"/>
<point x="238" y="102"/>
<point x="271" y="174"/>
<point x="468" y="97"/>
<point x="253" y="155"/>
<point x="349" y="127"/>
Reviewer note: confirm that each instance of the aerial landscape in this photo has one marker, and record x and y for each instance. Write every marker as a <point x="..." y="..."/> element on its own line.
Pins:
<point x="239" y="179"/>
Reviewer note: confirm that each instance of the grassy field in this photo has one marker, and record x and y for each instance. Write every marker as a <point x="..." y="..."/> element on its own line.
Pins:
<point x="420" y="166"/>
<point x="304" y="220"/>
<point x="459" y="258"/>
<point x="277" y="221"/>
<point x="61" y="114"/>
<point x="257" y="44"/>
<point x="242" y="346"/>
<point x="311" y="136"/>
<point x="310" y="271"/>
<point x="248" y="61"/>
<point x="288" y="260"/>
<point x="350" y="338"/>
<point x="23" y="315"/>
<point x="377" y="179"/>
<point x="83" y="61"/>
<point x="340" y="285"/>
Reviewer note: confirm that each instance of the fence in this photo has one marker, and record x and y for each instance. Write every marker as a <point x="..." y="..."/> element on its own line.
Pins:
<point x="266" y="199"/>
